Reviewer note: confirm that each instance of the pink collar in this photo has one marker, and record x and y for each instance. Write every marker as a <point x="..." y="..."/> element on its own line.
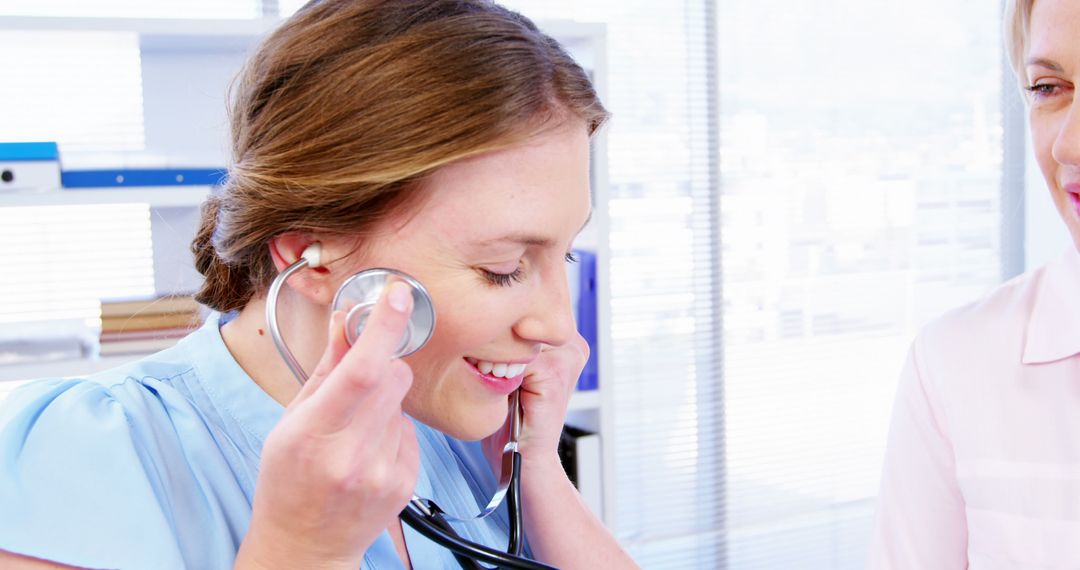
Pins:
<point x="1053" y="327"/>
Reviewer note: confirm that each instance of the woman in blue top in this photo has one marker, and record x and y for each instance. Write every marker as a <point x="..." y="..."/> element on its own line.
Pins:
<point x="448" y="139"/>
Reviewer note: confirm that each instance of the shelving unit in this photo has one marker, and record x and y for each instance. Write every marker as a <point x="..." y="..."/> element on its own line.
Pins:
<point x="156" y="197"/>
<point x="186" y="68"/>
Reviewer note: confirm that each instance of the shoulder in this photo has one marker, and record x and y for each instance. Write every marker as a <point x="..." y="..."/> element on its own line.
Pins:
<point x="983" y="343"/>
<point x="1004" y="309"/>
<point x="96" y="472"/>
<point x="74" y="475"/>
<point x="119" y="402"/>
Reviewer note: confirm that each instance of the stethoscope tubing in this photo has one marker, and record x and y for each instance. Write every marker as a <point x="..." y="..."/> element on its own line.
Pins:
<point x="275" y="327"/>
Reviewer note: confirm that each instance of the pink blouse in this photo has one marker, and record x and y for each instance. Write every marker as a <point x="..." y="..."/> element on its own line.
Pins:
<point x="982" y="468"/>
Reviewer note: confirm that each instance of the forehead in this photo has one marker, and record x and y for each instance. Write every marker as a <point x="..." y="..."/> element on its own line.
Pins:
<point x="537" y="184"/>
<point x="1053" y="30"/>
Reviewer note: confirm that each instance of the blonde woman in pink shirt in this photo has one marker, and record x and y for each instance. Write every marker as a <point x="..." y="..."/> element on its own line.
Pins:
<point x="982" y="469"/>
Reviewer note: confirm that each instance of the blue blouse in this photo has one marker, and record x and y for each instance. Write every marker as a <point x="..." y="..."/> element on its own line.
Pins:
<point x="153" y="465"/>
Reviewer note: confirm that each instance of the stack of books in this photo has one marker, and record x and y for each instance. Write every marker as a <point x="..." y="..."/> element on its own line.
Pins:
<point x="142" y="326"/>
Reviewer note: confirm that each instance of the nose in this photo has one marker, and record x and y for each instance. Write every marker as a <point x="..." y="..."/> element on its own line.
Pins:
<point x="548" y="317"/>
<point x="1066" y="150"/>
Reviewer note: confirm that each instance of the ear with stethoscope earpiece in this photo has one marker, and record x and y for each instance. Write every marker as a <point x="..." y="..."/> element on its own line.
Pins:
<point x="357" y="297"/>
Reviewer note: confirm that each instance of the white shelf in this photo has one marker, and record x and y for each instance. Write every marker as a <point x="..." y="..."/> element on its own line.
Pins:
<point x="211" y="27"/>
<point x="585" y="400"/>
<point x="60" y="368"/>
<point x="156" y="196"/>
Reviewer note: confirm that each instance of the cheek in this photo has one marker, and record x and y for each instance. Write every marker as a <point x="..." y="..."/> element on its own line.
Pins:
<point x="462" y="328"/>
<point x="1044" y="133"/>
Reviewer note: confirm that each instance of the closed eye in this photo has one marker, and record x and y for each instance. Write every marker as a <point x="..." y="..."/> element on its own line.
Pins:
<point x="503" y="279"/>
<point x="508" y="279"/>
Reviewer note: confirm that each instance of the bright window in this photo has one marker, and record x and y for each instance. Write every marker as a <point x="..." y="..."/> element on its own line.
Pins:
<point x="849" y="193"/>
<point x="81" y="89"/>
<point x="861" y="176"/>
<point x="84" y="91"/>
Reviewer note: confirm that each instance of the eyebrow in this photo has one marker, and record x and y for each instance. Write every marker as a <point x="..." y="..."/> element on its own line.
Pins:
<point x="529" y="239"/>
<point x="1043" y="62"/>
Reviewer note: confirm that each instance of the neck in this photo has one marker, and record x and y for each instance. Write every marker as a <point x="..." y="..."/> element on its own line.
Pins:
<point x="303" y="327"/>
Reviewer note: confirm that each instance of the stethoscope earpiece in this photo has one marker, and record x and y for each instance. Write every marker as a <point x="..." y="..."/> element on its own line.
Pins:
<point x="313" y="255"/>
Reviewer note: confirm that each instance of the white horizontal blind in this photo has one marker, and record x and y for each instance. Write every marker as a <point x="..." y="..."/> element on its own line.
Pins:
<point x="133" y="8"/>
<point x="80" y="89"/>
<point x="861" y="164"/>
<point x="61" y="259"/>
<point x="668" y="447"/>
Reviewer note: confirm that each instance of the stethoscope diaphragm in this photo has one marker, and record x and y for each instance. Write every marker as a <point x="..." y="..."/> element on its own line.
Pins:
<point x="359" y="293"/>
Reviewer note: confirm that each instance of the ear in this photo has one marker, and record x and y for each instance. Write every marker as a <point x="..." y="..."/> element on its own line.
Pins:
<point x="314" y="283"/>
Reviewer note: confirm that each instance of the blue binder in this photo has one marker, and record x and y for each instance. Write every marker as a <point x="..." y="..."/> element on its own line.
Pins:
<point x="28" y="151"/>
<point x="583" y="291"/>
<point x="120" y="177"/>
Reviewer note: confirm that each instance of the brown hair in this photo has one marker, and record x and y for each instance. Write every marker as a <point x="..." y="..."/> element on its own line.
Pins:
<point x="343" y="110"/>
<point x="1017" y="23"/>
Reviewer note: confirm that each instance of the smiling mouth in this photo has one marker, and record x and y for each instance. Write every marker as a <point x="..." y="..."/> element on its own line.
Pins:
<point x="1074" y="199"/>
<point x="499" y="370"/>
<point x="501" y="385"/>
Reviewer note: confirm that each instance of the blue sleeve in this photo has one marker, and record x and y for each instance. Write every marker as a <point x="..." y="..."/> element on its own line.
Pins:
<point x="77" y="485"/>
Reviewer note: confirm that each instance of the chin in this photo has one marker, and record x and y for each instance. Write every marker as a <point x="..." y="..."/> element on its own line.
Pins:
<point x="465" y="425"/>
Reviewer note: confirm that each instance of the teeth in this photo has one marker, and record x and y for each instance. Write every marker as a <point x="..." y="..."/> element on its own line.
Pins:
<point x="497" y="369"/>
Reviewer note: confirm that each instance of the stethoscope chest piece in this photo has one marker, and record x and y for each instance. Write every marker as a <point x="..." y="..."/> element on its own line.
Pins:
<point x="359" y="293"/>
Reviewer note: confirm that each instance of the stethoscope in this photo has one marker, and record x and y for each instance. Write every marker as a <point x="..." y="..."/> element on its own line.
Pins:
<point x="357" y="297"/>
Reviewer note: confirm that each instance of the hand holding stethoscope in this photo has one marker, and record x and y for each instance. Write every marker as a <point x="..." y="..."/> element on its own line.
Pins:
<point x="344" y="459"/>
<point x="345" y="440"/>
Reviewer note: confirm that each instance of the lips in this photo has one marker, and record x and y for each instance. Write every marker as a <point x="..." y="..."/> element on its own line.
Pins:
<point x="499" y="384"/>
<point x="1073" y="190"/>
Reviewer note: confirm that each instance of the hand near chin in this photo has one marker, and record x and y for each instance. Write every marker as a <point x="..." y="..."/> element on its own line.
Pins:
<point x="343" y="460"/>
<point x="545" y="395"/>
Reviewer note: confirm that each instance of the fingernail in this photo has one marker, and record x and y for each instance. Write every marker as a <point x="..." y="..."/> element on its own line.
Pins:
<point x="400" y="294"/>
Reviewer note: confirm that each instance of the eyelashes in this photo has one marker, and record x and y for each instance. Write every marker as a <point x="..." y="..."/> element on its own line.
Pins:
<point x="508" y="279"/>
<point x="503" y="279"/>
<point x="1043" y="90"/>
<point x="1040" y="89"/>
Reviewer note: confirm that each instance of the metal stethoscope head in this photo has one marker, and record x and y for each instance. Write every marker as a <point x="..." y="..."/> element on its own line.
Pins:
<point x="357" y="297"/>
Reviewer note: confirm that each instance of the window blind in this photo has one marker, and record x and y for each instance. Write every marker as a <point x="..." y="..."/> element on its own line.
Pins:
<point x="62" y="259"/>
<point x="81" y="89"/>
<point x="861" y="170"/>
<point x="668" y="413"/>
